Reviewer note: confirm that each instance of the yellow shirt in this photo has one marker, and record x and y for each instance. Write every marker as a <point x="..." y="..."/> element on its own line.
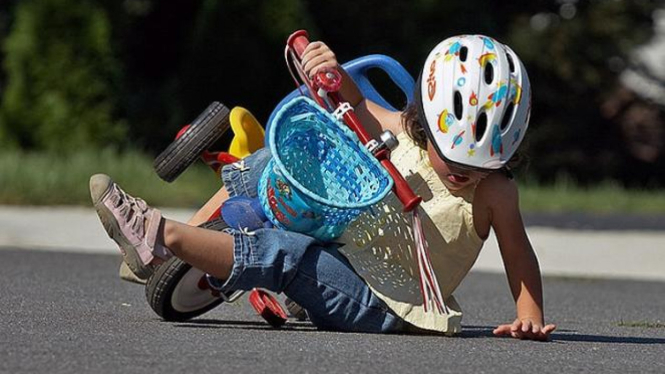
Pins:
<point x="380" y="243"/>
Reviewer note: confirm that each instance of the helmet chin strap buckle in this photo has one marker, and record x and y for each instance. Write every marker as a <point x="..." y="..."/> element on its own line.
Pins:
<point x="388" y="141"/>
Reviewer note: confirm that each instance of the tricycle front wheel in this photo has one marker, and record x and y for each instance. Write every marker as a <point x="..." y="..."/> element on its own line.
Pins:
<point x="177" y="292"/>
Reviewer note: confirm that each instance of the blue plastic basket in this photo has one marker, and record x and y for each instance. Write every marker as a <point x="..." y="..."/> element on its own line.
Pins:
<point x="320" y="177"/>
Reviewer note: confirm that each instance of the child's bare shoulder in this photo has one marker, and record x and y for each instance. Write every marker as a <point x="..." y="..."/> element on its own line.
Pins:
<point x="496" y="191"/>
<point x="495" y="203"/>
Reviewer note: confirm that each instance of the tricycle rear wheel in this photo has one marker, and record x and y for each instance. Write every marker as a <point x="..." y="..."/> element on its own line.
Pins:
<point x="206" y="129"/>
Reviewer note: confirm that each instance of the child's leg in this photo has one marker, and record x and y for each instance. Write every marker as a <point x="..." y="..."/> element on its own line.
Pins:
<point x="145" y="238"/>
<point x="336" y="297"/>
<point x="142" y="234"/>
<point x="314" y="275"/>
<point x="201" y="216"/>
<point x="207" y="250"/>
<point x="318" y="278"/>
<point x="202" y="248"/>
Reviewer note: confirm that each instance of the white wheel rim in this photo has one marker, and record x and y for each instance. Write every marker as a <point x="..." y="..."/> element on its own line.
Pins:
<point x="188" y="297"/>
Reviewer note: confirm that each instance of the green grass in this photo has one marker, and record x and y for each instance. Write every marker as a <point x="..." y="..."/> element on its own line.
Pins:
<point x="43" y="179"/>
<point x="642" y="324"/>
<point x="604" y="198"/>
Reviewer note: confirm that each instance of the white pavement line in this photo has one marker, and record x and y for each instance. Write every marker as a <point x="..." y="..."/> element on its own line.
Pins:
<point x="63" y="229"/>
<point x="638" y="255"/>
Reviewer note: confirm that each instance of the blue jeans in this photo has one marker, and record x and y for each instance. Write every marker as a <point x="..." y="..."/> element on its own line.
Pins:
<point x="313" y="274"/>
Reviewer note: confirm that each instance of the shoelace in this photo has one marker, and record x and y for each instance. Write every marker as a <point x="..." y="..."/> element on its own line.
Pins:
<point x="131" y="209"/>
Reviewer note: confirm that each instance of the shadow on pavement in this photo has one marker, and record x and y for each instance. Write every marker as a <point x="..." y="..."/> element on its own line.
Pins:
<point x="244" y="325"/>
<point x="566" y="336"/>
<point x="605" y="339"/>
<point x="560" y="336"/>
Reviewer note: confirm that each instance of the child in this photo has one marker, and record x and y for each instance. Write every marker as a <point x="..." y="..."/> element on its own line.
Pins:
<point x="470" y="114"/>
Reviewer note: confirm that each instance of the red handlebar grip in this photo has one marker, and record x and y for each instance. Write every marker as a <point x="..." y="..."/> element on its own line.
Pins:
<point x="402" y="190"/>
<point x="298" y="41"/>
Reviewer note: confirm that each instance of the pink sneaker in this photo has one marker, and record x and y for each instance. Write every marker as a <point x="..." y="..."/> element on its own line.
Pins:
<point x="130" y="222"/>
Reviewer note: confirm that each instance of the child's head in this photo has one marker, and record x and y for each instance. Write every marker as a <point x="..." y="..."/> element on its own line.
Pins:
<point x="472" y="107"/>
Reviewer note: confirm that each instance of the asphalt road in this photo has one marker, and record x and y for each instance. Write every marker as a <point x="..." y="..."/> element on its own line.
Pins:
<point x="69" y="313"/>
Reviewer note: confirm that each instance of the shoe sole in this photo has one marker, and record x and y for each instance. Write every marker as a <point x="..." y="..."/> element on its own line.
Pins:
<point x="129" y="253"/>
<point x="126" y="274"/>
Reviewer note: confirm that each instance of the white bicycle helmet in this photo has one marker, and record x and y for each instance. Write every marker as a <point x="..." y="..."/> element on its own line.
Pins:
<point x="474" y="101"/>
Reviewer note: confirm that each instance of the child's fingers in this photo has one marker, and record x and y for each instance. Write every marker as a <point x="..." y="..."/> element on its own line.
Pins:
<point x="549" y="328"/>
<point x="515" y="327"/>
<point x="536" y="333"/>
<point x="319" y="63"/>
<point x="313" y="50"/>
<point x="502" y="330"/>
<point x="525" y="330"/>
<point x="312" y="46"/>
<point x="527" y="326"/>
<point x="546" y="331"/>
<point x="541" y="333"/>
<point x="536" y="329"/>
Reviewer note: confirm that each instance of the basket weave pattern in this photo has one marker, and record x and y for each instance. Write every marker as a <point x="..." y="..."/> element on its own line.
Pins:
<point x="321" y="177"/>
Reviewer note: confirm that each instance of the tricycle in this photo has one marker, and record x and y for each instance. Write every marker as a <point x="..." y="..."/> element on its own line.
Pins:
<point x="176" y="291"/>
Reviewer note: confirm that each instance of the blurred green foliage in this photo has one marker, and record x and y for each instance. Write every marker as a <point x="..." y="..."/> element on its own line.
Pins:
<point x="81" y="73"/>
<point x="573" y="62"/>
<point x="62" y="77"/>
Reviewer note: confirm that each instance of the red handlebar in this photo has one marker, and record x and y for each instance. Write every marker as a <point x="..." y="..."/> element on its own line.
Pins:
<point x="297" y="42"/>
<point x="329" y="81"/>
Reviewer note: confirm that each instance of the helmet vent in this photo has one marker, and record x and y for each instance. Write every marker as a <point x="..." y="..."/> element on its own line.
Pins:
<point x="511" y="64"/>
<point x="481" y="126"/>
<point x="489" y="73"/>
<point x="458" y="106"/>
<point x="463" y="52"/>
<point x="507" y="116"/>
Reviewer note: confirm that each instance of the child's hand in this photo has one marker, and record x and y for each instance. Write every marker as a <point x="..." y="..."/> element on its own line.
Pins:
<point x="526" y="329"/>
<point x="318" y="57"/>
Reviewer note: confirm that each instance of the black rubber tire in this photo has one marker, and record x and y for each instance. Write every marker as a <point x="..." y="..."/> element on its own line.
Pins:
<point x="161" y="287"/>
<point x="206" y="129"/>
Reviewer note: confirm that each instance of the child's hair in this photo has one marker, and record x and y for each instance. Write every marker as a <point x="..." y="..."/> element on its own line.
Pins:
<point x="415" y="131"/>
<point x="412" y="126"/>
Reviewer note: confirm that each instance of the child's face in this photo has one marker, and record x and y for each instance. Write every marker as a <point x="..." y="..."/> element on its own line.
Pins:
<point x="454" y="178"/>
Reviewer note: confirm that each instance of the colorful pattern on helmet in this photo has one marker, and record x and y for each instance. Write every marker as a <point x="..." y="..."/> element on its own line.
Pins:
<point x="457" y="140"/>
<point x="484" y="95"/>
<point x="486" y="58"/>
<point x="453" y="51"/>
<point x="473" y="99"/>
<point x="497" y="96"/>
<point x="445" y="121"/>
<point x="497" y="144"/>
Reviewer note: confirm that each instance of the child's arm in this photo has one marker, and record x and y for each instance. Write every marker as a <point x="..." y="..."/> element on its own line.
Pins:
<point x="499" y="196"/>
<point x="318" y="57"/>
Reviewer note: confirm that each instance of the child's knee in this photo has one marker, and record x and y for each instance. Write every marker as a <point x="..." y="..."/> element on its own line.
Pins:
<point x="269" y="258"/>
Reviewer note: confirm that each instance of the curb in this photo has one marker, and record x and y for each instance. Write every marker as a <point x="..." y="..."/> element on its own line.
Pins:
<point x="66" y="229"/>
<point x="615" y="254"/>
